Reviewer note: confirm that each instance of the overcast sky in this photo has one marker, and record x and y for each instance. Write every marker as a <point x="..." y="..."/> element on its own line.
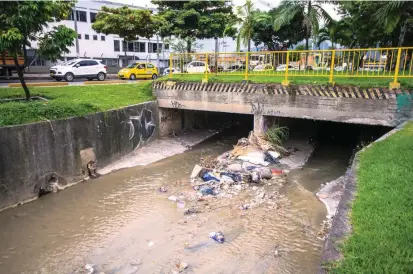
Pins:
<point x="208" y="45"/>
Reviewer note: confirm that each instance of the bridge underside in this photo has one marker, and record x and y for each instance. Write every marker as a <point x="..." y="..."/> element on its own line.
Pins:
<point x="339" y="104"/>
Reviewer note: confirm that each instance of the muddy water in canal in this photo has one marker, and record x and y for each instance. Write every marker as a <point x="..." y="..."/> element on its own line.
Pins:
<point x="121" y="223"/>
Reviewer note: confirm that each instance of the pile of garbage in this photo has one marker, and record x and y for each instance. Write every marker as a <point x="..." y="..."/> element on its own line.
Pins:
<point x="248" y="163"/>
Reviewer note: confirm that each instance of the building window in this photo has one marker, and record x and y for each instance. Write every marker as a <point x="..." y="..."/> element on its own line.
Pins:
<point x="80" y="16"/>
<point x="140" y="47"/>
<point x="166" y="46"/>
<point x="86" y="36"/>
<point x="95" y="37"/>
<point x="116" y="45"/>
<point x="130" y="46"/>
<point x="153" y="47"/>
<point x="124" y="46"/>
<point x="102" y="38"/>
<point x="93" y="17"/>
<point x="79" y="36"/>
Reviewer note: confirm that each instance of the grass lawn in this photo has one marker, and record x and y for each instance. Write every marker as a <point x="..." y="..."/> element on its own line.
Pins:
<point x="382" y="212"/>
<point x="69" y="101"/>
<point x="362" y="82"/>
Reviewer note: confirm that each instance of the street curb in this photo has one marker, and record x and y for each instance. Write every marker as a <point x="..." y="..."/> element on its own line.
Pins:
<point x="88" y="83"/>
<point x="40" y="84"/>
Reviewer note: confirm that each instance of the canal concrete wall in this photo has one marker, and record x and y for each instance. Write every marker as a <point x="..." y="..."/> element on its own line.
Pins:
<point x="348" y="104"/>
<point x="37" y="157"/>
<point x="339" y="195"/>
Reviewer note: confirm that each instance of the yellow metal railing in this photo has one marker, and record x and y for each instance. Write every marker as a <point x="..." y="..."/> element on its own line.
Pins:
<point x="390" y="63"/>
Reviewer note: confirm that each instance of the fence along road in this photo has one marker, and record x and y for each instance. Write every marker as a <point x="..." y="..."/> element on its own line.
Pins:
<point x="389" y="63"/>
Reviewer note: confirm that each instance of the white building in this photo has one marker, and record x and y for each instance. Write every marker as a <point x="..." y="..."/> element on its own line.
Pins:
<point x="104" y="47"/>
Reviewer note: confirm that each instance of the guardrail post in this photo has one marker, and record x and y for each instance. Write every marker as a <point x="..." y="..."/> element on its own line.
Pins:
<point x="333" y="55"/>
<point x="205" y="80"/>
<point x="170" y="65"/>
<point x="286" y="82"/>
<point x="396" y="84"/>
<point x="247" y="66"/>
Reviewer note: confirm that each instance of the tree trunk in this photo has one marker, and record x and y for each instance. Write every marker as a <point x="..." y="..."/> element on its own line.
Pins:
<point x="249" y="55"/>
<point x="157" y="50"/>
<point x="402" y="33"/>
<point x="307" y="35"/>
<point x="25" y="50"/>
<point x="188" y="45"/>
<point x="21" y="78"/>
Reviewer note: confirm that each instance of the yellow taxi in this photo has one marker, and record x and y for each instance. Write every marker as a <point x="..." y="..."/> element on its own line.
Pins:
<point x="139" y="70"/>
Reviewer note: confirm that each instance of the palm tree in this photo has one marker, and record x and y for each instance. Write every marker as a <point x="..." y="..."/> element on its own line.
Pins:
<point x="246" y="17"/>
<point x="328" y="33"/>
<point x="393" y="14"/>
<point x="311" y="11"/>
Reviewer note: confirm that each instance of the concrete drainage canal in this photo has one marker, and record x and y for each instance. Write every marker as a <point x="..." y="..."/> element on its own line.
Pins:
<point x="157" y="219"/>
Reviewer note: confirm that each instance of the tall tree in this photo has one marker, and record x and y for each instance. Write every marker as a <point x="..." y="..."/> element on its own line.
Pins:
<point x="357" y="27"/>
<point x="286" y="36"/>
<point x="328" y="33"/>
<point x="246" y="17"/>
<point x="396" y="15"/>
<point x="311" y="10"/>
<point x="129" y="24"/>
<point x="23" y="21"/>
<point x="194" y="19"/>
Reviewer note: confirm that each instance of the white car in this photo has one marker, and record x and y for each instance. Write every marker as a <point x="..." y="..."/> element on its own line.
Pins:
<point x="79" y="68"/>
<point x="174" y="71"/>
<point x="284" y="67"/>
<point x="197" y="67"/>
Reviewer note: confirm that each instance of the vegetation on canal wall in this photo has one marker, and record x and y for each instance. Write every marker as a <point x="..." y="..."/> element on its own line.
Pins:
<point x="69" y="101"/>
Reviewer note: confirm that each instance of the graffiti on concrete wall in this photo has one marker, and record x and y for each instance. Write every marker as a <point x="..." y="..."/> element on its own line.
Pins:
<point x="272" y="112"/>
<point x="258" y="108"/>
<point x="176" y="104"/>
<point x="141" y="127"/>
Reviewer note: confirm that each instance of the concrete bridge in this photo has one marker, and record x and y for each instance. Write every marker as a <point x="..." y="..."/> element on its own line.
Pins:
<point x="347" y="104"/>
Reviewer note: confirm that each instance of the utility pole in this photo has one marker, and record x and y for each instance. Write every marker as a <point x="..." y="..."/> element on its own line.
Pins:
<point x="77" y="36"/>
<point x="163" y="50"/>
<point x="157" y="50"/>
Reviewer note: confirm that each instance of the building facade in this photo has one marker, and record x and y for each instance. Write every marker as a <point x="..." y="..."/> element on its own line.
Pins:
<point x="111" y="49"/>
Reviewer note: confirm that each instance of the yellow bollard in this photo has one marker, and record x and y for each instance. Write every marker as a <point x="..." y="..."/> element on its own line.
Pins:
<point x="333" y="55"/>
<point x="246" y="66"/>
<point x="205" y="80"/>
<point x="395" y="84"/>
<point x="286" y="82"/>
<point x="170" y="65"/>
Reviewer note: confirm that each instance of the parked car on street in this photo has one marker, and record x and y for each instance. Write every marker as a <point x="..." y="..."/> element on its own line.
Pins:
<point x="219" y="68"/>
<point x="264" y="68"/>
<point x="174" y="71"/>
<point x="235" y="68"/>
<point x="79" y="68"/>
<point x="139" y="70"/>
<point x="284" y="67"/>
<point x="197" y="67"/>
